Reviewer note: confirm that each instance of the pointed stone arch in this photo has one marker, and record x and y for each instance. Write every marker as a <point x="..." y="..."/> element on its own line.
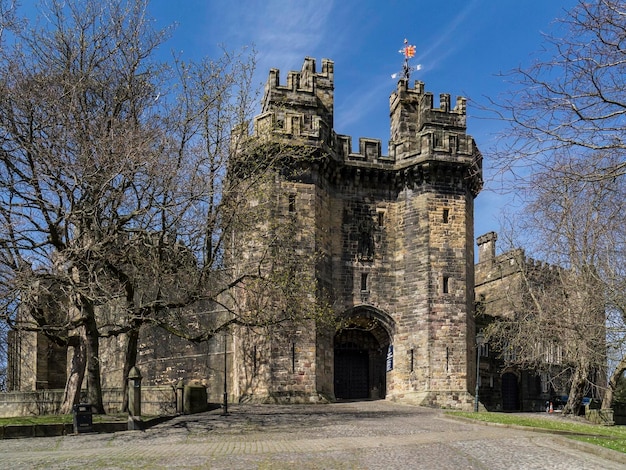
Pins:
<point x="360" y="349"/>
<point x="370" y="313"/>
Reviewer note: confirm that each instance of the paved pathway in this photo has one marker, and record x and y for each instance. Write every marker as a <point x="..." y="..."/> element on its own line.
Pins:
<point x="366" y="435"/>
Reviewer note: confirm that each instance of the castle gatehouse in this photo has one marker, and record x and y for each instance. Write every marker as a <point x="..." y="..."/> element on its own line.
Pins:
<point x="395" y="237"/>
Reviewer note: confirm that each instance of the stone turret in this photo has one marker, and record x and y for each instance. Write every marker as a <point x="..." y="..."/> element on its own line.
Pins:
<point x="487" y="247"/>
<point x="303" y="107"/>
<point x="415" y="122"/>
<point x="421" y="135"/>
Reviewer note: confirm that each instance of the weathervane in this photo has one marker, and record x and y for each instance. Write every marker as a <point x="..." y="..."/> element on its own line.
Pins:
<point x="409" y="52"/>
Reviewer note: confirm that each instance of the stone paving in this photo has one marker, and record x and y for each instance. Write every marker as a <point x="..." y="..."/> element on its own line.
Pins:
<point x="364" y="435"/>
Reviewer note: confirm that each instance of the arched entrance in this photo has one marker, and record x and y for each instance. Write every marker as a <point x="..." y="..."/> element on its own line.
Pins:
<point x="510" y="392"/>
<point x="360" y="349"/>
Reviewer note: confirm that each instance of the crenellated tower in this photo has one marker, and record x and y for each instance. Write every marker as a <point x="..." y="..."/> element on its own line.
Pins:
<point x="417" y="124"/>
<point x="303" y="107"/>
<point x="394" y="234"/>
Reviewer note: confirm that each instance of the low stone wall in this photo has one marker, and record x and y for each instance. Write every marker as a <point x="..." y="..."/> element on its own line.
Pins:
<point x="157" y="400"/>
<point x="38" y="402"/>
<point x="602" y="416"/>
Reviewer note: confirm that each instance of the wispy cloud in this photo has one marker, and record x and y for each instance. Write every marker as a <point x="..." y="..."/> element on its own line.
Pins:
<point x="449" y="41"/>
<point x="361" y="102"/>
<point x="283" y="32"/>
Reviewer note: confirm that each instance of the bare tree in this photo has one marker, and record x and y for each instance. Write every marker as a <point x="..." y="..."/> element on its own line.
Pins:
<point x="78" y="161"/>
<point x="576" y="226"/>
<point x="122" y="185"/>
<point x="8" y="18"/>
<point x="564" y="155"/>
<point x="569" y="106"/>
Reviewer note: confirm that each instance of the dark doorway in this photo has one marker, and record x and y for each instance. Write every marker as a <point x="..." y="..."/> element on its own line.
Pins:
<point x="359" y="365"/>
<point x="510" y="392"/>
<point x="351" y="374"/>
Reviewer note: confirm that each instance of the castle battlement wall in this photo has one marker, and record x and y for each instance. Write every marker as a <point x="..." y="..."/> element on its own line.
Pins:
<point x="302" y="111"/>
<point x="491" y="266"/>
<point x="423" y="101"/>
<point x="308" y="94"/>
<point x="419" y="129"/>
<point x="307" y="80"/>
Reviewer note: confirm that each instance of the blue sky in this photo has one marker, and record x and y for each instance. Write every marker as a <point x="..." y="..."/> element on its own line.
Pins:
<point x="461" y="44"/>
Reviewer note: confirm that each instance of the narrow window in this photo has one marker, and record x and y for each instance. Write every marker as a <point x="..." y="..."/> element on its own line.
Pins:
<point x="446" y="214"/>
<point x="412" y="360"/>
<point x="437" y="139"/>
<point x="363" y="281"/>
<point x="454" y="143"/>
<point x="293" y="357"/>
<point x="446" y="284"/>
<point x="381" y="219"/>
<point x="292" y="203"/>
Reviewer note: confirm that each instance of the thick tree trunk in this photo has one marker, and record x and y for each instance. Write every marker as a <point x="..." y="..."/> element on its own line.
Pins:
<point x="607" y="401"/>
<point x="577" y="389"/>
<point x="129" y="361"/>
<point x="75" y="377"/>
<point x="94" y="384"/>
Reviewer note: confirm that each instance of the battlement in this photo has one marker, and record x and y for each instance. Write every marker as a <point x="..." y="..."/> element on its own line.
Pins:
<point x="305" y="80"/>
<point x="420" y="132"/>
<point x="370" y="151"/>
<point x="432" y="144"/>
<point x="422" y="103"/>
<point x="307" y="92"/>
<point x="491" y="266"/>
<point x="414" y="117"/>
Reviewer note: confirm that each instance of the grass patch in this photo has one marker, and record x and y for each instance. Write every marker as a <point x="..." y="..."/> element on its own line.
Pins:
<point x="57" y="419"/>
<point x="26" y="420"/>
<point x="611" y="437"/>
<point x="613" y="444"/>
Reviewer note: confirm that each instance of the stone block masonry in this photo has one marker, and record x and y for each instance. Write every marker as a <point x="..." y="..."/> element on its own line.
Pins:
<point x="395" y="238"/>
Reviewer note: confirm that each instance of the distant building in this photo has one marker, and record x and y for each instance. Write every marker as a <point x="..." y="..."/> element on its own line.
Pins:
<point x="503" y="286"/>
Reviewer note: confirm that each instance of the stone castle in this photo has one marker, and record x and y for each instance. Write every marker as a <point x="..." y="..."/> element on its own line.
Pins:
<point x="396" y="237"/>
<point x="395" y="234"/>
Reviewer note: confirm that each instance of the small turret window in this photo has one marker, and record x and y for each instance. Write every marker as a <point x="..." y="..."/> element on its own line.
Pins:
<point x="446" y="215"/>
<point x="292" y="203"/>
<point x="363" y="281"/>
<point x="446" y="284"/>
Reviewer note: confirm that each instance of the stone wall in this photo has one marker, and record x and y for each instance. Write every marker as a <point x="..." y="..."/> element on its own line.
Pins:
<point x="154" y="401"/>
<point x="500" y="293"/>
<point x="497" y="277"/>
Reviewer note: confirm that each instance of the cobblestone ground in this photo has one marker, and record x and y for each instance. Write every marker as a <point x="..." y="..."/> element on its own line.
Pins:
<point x="365" y="435"/>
